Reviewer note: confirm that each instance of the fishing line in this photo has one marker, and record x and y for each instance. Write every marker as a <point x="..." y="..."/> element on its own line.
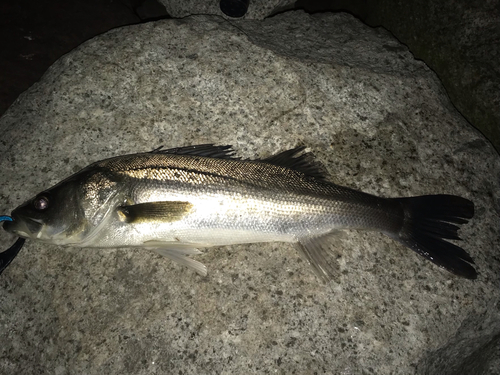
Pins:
<point x="8" y="255"/>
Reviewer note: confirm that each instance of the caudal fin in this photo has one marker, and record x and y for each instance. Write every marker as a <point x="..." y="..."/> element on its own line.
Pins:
<point x="429" y="221"/>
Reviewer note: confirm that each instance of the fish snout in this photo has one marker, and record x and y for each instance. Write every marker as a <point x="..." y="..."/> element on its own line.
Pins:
<point x="23" y="228"/>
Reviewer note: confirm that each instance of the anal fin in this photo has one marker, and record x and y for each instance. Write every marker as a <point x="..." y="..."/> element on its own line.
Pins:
<point x="315" y="250"/>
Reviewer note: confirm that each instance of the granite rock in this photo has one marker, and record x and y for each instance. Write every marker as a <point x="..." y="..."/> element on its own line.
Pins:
<point x="379" y="121"/>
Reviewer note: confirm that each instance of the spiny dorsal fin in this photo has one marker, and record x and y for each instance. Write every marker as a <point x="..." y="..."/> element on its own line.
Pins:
<point x="208" y="150"/>
<point x="296" y="160"/>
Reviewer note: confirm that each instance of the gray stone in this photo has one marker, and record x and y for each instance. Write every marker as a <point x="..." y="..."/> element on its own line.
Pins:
<point x="257" y="9"/>
<point x="458" y="39"/>
<point x="378" y="119"/>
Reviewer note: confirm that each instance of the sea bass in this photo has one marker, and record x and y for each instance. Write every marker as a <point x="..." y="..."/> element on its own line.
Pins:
<point x="179" y="200"/>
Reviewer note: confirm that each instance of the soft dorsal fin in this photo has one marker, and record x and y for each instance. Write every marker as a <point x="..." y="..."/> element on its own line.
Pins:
<point x="207" y="150"/>
<point x="302" y="162"/>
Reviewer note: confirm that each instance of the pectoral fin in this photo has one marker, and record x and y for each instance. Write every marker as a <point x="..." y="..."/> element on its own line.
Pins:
<point x="154" y="212"/>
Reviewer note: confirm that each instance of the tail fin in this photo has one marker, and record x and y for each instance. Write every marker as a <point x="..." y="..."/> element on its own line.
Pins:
<point x="430" y="221"/>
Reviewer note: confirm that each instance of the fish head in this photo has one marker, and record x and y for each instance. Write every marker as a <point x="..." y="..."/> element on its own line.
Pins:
<point x="54" y="215"/>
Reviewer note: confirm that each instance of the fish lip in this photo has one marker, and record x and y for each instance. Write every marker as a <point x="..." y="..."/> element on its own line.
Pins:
<point x="15" y="228"/>
<point x="23" y="226"/>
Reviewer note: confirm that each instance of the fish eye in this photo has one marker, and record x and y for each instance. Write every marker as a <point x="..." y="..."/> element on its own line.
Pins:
<point x="41" y="203"/>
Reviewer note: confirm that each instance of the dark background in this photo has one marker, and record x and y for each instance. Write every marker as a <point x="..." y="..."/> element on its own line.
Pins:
<point x="34" y="34"/>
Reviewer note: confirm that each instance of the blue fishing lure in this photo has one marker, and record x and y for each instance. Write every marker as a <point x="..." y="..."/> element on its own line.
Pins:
<point x="8" y="255"/>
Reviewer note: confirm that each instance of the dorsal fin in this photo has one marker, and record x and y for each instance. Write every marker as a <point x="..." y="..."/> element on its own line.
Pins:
<point x="207" y="150"/>
<point x="296" y="160"/>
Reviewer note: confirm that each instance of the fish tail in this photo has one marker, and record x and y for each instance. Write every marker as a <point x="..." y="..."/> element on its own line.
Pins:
<point x="429" y="221"/>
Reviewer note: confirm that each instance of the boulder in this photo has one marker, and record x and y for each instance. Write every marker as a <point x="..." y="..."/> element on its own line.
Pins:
<point x="378" y="120"/>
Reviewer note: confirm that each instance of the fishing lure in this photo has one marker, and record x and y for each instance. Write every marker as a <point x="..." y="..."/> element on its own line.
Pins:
<point x="8" y="255"/>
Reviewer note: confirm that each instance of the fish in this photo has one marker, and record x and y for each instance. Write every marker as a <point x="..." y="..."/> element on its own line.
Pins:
<point x="180" y="200"/>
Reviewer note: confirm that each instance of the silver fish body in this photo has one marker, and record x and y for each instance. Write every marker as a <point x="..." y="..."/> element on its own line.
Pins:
<point x="177" y="201"/>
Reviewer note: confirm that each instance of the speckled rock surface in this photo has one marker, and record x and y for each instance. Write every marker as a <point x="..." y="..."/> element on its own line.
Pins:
<point x="380" y="122"/>
<point x="257" y="9"/>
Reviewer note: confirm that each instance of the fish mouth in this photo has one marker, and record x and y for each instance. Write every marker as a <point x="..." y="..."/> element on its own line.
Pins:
<point x="23" y="227"/>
